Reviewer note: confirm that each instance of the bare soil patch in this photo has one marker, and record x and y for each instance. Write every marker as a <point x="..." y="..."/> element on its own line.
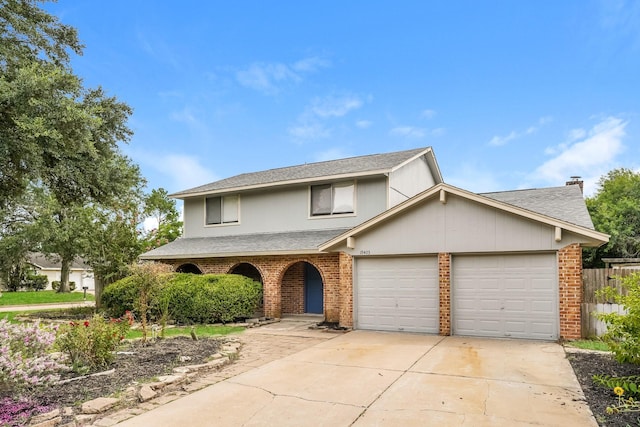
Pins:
<point x="588" y="364"/>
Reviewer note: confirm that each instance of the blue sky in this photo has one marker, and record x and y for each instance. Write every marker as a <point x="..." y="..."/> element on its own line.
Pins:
<point x="510" y="94"/>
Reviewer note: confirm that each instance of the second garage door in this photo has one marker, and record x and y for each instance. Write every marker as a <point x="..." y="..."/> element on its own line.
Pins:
<point x="505" y="296"/>
<point x="397" y="294"/>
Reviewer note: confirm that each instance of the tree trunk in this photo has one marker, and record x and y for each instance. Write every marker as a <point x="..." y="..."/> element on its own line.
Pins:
<point x="98" y="282"/>
<point x="65" y="267"/>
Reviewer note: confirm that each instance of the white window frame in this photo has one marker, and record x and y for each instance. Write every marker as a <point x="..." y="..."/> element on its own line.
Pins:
<point x="222" y="222"/>
<point x="331" y="214"/>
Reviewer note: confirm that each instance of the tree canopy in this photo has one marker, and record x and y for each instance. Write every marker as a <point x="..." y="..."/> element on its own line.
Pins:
<point x="53" y="130"/>
<point x="615" y="210"/>
<point x="60" y="159"/>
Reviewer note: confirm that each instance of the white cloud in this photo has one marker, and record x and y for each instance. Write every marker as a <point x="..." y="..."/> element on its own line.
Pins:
<point x="502" y="140"/>
<point x="187" y="171"/>
<point x="335" y="106"/>
<point x="590" y="156"/>
<point x="150" y="223"/>
<point x="311" y="64"/>
<point x="266" y="77"/>
<point x="575" y="134"/>
<point x="307" y="131"/>
<point x="269" y="77"/>
<point x="364" y="124"/>
<point x="498" y="141"/>
<point x="311" y="123"/>
<point x="428" y="114"/>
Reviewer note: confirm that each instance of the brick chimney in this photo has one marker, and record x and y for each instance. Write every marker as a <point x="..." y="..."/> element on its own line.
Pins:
<point x="575" y="180"/>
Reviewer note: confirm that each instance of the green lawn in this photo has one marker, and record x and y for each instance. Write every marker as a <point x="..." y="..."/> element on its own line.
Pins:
<point x="201" y="331"/>
<point x="41" y="297"/>
<point x="594" y="344"/>
<point x="10" y="315"/>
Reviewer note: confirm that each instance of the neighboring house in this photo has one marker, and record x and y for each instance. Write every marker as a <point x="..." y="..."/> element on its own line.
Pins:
<point x="80" y="273"/>
<point x="381" y="242"/>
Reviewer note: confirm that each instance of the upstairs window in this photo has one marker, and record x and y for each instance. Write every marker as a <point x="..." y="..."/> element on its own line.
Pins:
<point x="222" y="210"/>
<point x="332" y="199"/>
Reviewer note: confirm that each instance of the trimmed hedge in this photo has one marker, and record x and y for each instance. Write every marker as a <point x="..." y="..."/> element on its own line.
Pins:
<point x="191" y="298"/>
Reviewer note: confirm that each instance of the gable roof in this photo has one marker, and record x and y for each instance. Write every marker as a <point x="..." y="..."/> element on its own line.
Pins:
<point x="442" y="190"/>
<point x="295" y="242"/>
<point x="374" y="164"/>
<point x="565" y="203"/>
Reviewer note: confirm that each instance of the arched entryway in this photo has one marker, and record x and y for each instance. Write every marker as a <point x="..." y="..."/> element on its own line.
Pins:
<point x="302" y="289"/>
<point x="247" y="270"/>
<point x="189" y="268"/>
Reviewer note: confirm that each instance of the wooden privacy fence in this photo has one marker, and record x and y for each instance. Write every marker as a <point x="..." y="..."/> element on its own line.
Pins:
<point x="592" y="280"/>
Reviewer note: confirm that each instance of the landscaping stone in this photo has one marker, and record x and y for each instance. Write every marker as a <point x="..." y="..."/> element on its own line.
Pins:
<point x="47" y="423"/>
<point x="45" y="417"/>
<point x="99" y="405"/>
<point x="146" y="393"/>
<point x="85" y="419"/>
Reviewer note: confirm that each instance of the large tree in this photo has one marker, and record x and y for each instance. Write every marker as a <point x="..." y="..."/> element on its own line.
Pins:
<point x="55" y="134"/>
<point x="615" y="210"/>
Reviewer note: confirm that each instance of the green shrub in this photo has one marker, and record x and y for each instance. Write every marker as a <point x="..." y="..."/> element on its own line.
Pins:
<point x="37" y="282"/>
<point x="55" y="285"/>
<point x="119" y="297"/>
<point x="212" y="298"/>
<point x="90" y="344"/>
<point x="623" y="330"/>
<point x="189" y="298"/>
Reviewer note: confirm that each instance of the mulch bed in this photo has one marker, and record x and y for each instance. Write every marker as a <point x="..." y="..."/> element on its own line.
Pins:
<point x="146" y="361"/>
<point x="586" y="365"/>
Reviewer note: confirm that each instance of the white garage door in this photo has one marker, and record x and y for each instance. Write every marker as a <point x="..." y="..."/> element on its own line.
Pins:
<point x="397" y="294"/>
<point x="505" y="296"/>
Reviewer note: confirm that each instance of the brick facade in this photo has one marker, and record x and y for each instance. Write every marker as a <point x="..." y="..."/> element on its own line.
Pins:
<point x="283" y="292"/>
<point x="444" y="285"/>
<point x="283" y="285"/>
<point x="570" y="291"/>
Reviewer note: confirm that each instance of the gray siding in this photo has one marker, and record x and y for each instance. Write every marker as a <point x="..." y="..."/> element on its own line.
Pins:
<point x="285" y="209"/>
<point x="459" y="226"/>
<point x="409" y="180"/>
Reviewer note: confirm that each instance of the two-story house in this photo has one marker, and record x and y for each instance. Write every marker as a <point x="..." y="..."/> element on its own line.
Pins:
<point x="381" y="242"/>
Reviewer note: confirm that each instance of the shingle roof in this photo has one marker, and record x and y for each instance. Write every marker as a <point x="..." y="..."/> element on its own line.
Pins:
<point x="564" y="203"/>
<point x="352" y="165"/>
<point x="51" y="263"/>
<point x="245" y="244"/>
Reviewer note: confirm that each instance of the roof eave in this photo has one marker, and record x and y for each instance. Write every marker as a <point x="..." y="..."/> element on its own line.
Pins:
<point x="228" y="254"/>
<point x="377" y="172"/>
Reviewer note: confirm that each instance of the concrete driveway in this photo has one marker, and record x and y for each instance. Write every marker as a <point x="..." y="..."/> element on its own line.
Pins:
<point x="389" y="379"/>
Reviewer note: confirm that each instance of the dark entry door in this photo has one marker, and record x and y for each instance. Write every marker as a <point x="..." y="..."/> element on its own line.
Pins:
<point x="313" y="299"/>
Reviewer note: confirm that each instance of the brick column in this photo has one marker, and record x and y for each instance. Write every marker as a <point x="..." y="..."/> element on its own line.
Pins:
<point x="272" y="293"/>
<point x="444" y="282"/>
<point x="570" y="290"/>
<point x="346" y="290"/>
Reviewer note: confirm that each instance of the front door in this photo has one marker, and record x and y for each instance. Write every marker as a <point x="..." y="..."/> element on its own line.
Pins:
<point x="313" y="298"/>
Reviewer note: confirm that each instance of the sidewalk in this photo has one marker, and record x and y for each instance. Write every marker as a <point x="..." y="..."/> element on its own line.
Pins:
<point x="35" y="307"/>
